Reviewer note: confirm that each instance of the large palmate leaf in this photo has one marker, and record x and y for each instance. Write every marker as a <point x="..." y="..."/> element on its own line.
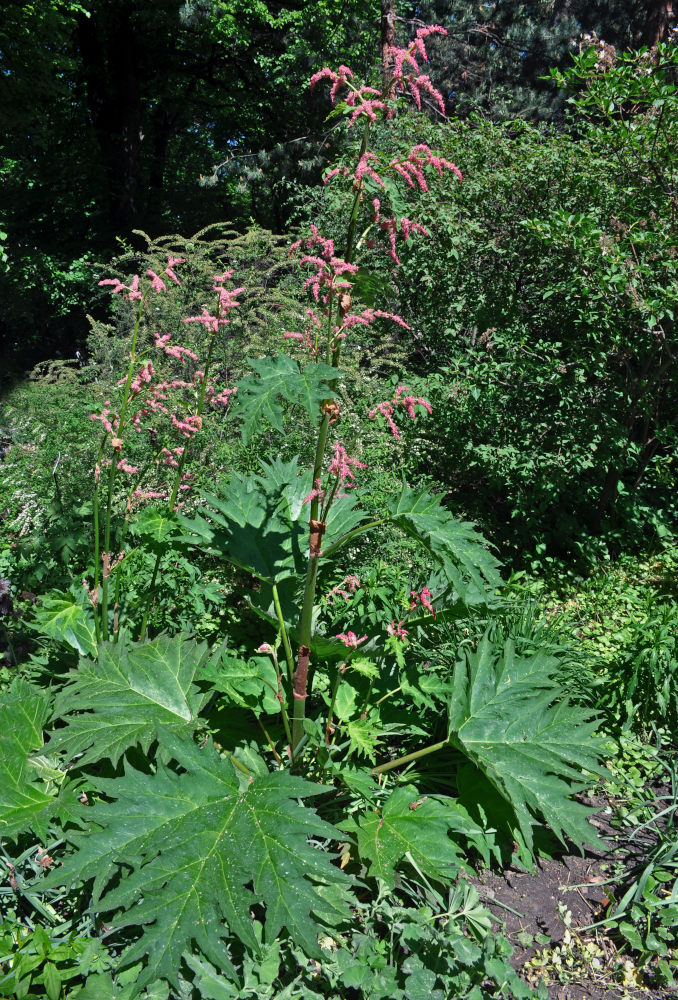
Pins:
<point x="121" y="701"/>
<point x="505" y="716"/>
<point x="284" y="482"/>
<point x="414" y="828"/>
<point x="455" y="545"/>
<point x="259" y="396"/>
<point x="25" y="798"/>
<point x="156" y="526"/>
<point x="253" y="521"/>
<point x="67" y="620"/>
<point x="187" y="853"/>
<point x="260" y="523"/>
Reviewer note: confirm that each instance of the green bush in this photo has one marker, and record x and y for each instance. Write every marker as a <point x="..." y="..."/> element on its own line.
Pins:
<point x="542" y="311"/>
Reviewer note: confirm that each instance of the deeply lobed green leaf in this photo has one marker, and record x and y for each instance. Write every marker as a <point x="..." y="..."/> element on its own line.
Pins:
<point x="507" y="715"/>
<point x="26" y="799"/>
<point x="454" y="545"/>
<point x="186" y="856"/>
<point x="259" y="396"/>
<point x="413" y="828"/>
<point x="122" y="700"/>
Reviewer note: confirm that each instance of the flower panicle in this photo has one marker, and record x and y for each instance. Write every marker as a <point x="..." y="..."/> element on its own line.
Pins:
<point x="365" y="169"/>
<point x="173" y="350"/>
<point x="125" y="466"/>
<point x="173" y="262"/>
<point x="110" y="421"/>
<point x="350" y="639"/>
<point x="132" y="290"/>
<point x="396" y="630"/>
<point x="338" y="77"/>
<point x="304" y="339"/>
<point x="402" y="397"/>
<point x="423" y="598"/>
<point x="342" y="465"/>
<point x="364" y="104"/>
<point x="406" y="74"/>
<point x="157" y="284"/>
<point x="317" y="493"/>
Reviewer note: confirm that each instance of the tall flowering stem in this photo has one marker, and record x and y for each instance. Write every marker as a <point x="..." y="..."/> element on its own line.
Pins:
<point x="226" y="301"/>
<point x="362" y="102"/>
<point x="144" y="402"/>
<point x="309" y="598"/>
<point x="331" y="279"/>
<point x="105" y="559"/>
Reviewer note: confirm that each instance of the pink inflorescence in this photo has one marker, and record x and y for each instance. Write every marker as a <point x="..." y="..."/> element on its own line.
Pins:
<point x="407" y="75"/>
<point x="364" y="100"/>
<point x="403" y="398"/>
<point x="390" y="227"/>
<point x="108" y="419"/>
<point x="174" y="350"/>
<point x="140" y="494"/>
<point x="132" y="290"/>
<point x="227" y="296"/>
<point x="124" y="466"/>
<point x="345" y="590"/>
<point x="406" y="70"/>
<point x="365" y="169"/>
<point x="338" y="78"/>
<point x="306" y="340"/>
<point x="173" y="262"/>
<point x="171" y="457"/>
<point x="157" y="284"/>
<point x="341" y="466"/>
<point x="329" y="277"/>
<point x="411" y="169"/>
<point x="363" y="103"/>
<point x="423" y="598"/>
<point x="143" y="378"/>
<point x="227" y="301"/>
<point x="368" y="316"/>
<point x="210" y="322"/>
<point x="187" y="427"/>
<point x="317" y="493"/>
<point x="350" y="639"/>
<point x="396" y="630"/>
<point x="223" y="398"/>
<point x="344" y="171"/>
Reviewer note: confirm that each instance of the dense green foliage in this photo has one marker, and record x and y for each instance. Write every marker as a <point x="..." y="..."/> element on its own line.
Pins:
<point x="270" y="699"/>
<point x="554" y="381"/>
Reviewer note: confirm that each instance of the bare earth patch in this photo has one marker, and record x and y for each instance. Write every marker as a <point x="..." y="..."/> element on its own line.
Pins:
<point x="545" y="915"/>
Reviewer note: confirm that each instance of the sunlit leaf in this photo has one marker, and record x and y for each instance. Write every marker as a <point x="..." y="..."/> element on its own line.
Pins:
<point x="121" y="701"/>
<point x="414" y="829"/>
<point x="184" y="854"/>
<point x="508" y="716"/>
<point x="64" y="620"/>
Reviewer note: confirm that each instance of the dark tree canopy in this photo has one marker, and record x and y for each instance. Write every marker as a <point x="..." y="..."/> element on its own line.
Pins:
<point x="169" y="115"/>
<point x="496" y="53"/>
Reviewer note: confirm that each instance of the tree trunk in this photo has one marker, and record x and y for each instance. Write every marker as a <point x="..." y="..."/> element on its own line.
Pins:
<point x="658" y="22"/>
<point x="111" y="69"/>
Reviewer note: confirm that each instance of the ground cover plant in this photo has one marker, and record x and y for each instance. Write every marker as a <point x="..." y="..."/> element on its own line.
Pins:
<point x="277" y="708"/>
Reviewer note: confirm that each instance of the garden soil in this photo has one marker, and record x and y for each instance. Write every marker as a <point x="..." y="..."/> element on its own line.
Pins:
<point x="547" y="916"/>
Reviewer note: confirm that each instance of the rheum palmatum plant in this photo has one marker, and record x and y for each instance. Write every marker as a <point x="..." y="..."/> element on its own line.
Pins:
<point x="202" y="856"/>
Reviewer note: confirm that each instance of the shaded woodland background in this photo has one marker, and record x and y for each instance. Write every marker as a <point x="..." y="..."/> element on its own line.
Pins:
<point x="168" y="116"/>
